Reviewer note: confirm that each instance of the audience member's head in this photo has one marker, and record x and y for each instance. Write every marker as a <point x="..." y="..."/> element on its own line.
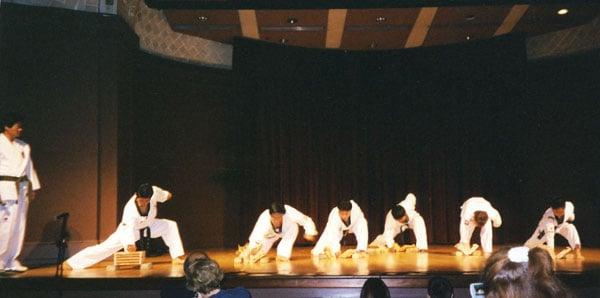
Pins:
<point x="374" y="288"/>
<point x="202" y="274"/>
<point x="440" y="287"/>
<point x="522" y="272"/>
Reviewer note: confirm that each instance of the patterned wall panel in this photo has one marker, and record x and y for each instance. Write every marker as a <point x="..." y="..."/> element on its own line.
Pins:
<point x="156" y="36"/>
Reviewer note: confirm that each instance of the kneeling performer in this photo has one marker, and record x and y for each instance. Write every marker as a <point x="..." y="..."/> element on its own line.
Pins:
<point x="139" y="213"/>
<point x="400" y="218"/>
<point x="278" y="222"/>
<point x="346" y="218"/>
<point x="477" y="212"/>
<point x="557" y="220"/>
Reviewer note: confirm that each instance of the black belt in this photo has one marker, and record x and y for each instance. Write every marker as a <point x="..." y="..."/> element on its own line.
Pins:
<point x="13" y="178"/>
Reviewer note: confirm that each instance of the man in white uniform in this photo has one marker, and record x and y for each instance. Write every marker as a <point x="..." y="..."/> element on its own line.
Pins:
<point x="18" y="184"/>
<point x="346" y="218"/>
<point x="281" y="222"/>
<point x="139" y="213"/>
<point x="477" y="212"/>
<point x="557" y="220"/>
<point x="400" y="218"/>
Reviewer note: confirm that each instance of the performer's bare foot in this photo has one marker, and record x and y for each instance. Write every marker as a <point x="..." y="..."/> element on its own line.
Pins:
<point x="578" y="254"/>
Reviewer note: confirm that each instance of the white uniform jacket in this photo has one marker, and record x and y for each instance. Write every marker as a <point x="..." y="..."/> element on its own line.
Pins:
<point x="549" y="218"/>
<point x="133" y="221"/>
<point x="263" y="229"/>
<point x="415" y="222"/>
<point x="336" y="229"/>
<point x="15" y="161"/>
<point x="479" y="204"/>
<point x="264" y="234"/>
<point x="549" y="226"/>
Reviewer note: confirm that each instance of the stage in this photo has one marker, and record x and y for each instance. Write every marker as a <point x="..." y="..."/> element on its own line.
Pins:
<point x="406" y="274"/>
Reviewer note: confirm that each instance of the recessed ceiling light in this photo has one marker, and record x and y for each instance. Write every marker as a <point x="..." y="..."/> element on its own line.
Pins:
<point x="468" y="37"/>
<point x="380" y="19"/>
<point x="470" y="17"/>
<point x="202" y="18"/>
<point x="283" y="40"/>
<point x="563" y="11"/>
<point x="292" y="20"/>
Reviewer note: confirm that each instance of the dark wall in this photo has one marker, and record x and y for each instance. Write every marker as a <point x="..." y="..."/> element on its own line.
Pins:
<point x="562" y="141"/>
<point x="372" y="126"/>
<point x="178" y="123"/>
<point x="325" y="126"/>
<point x="66" y="71"/>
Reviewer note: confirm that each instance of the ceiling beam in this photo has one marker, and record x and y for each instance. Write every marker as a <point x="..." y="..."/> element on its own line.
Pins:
<point x="421" y="27"/>
<point x="336" y="21"/>
<point x="248" y="23"/>
<point x="331" y="4"/>
<point x="512" y="18"/>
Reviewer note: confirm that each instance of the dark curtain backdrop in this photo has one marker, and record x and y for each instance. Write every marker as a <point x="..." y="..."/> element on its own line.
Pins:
<point x="317" y="126"/>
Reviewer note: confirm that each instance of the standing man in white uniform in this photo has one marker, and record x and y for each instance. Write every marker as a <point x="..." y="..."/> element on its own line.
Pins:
<point x="477" y="212"/>
<point x="139" y="213"/>
<point x="557" y="220"/>
<point x="400" y="218"/>
<point x="18" y="185"/>
<point x="281" y="222"/>
<point x="346" y="218"/>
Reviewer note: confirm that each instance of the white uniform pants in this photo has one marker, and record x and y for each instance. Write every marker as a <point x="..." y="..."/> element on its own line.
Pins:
<point x="466" y="231"/>
<point x="13" y="218"/>
<point x="167" y="229"/>
<point x="567" y="230"/>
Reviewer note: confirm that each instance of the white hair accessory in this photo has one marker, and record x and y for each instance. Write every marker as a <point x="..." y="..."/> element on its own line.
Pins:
<point x="519" y="254"/>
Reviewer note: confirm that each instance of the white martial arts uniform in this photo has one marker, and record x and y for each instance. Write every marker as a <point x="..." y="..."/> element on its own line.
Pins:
<point x="468" y="225"/>
<point x="264" y="233"/>
<point x="549" y="226"/>
<point x="393" y="227"/>
<point x="128" y="233"/>
<point x="335" y="230"/>
<point x="15" y="162"/>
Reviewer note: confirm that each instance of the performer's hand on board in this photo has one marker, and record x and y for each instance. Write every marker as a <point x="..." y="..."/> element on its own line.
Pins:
<point x="32" y="195"/>
<point x="130" y="248"/>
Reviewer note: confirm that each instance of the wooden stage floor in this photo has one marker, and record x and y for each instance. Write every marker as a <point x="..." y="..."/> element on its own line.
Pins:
<point x="402" y="270"/>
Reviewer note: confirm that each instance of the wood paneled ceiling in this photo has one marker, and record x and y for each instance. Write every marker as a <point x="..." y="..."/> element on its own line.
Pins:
<point x="379" y="28"/>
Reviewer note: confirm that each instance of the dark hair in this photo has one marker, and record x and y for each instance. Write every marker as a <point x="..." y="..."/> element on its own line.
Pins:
<point x="202" y="274"/>
<point x="558" y="202"/>
<point x="276" y="208"/>
<point x="145" y="190"/>
<point x="374" y="288"/>
<point x="439" y="287"/>
<point x="398" y="212"/>
<point x="9" y="119"/>
<point x="534" y="278"/>
<point x="481" y="218"/>
<point x="344" y="205"/>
